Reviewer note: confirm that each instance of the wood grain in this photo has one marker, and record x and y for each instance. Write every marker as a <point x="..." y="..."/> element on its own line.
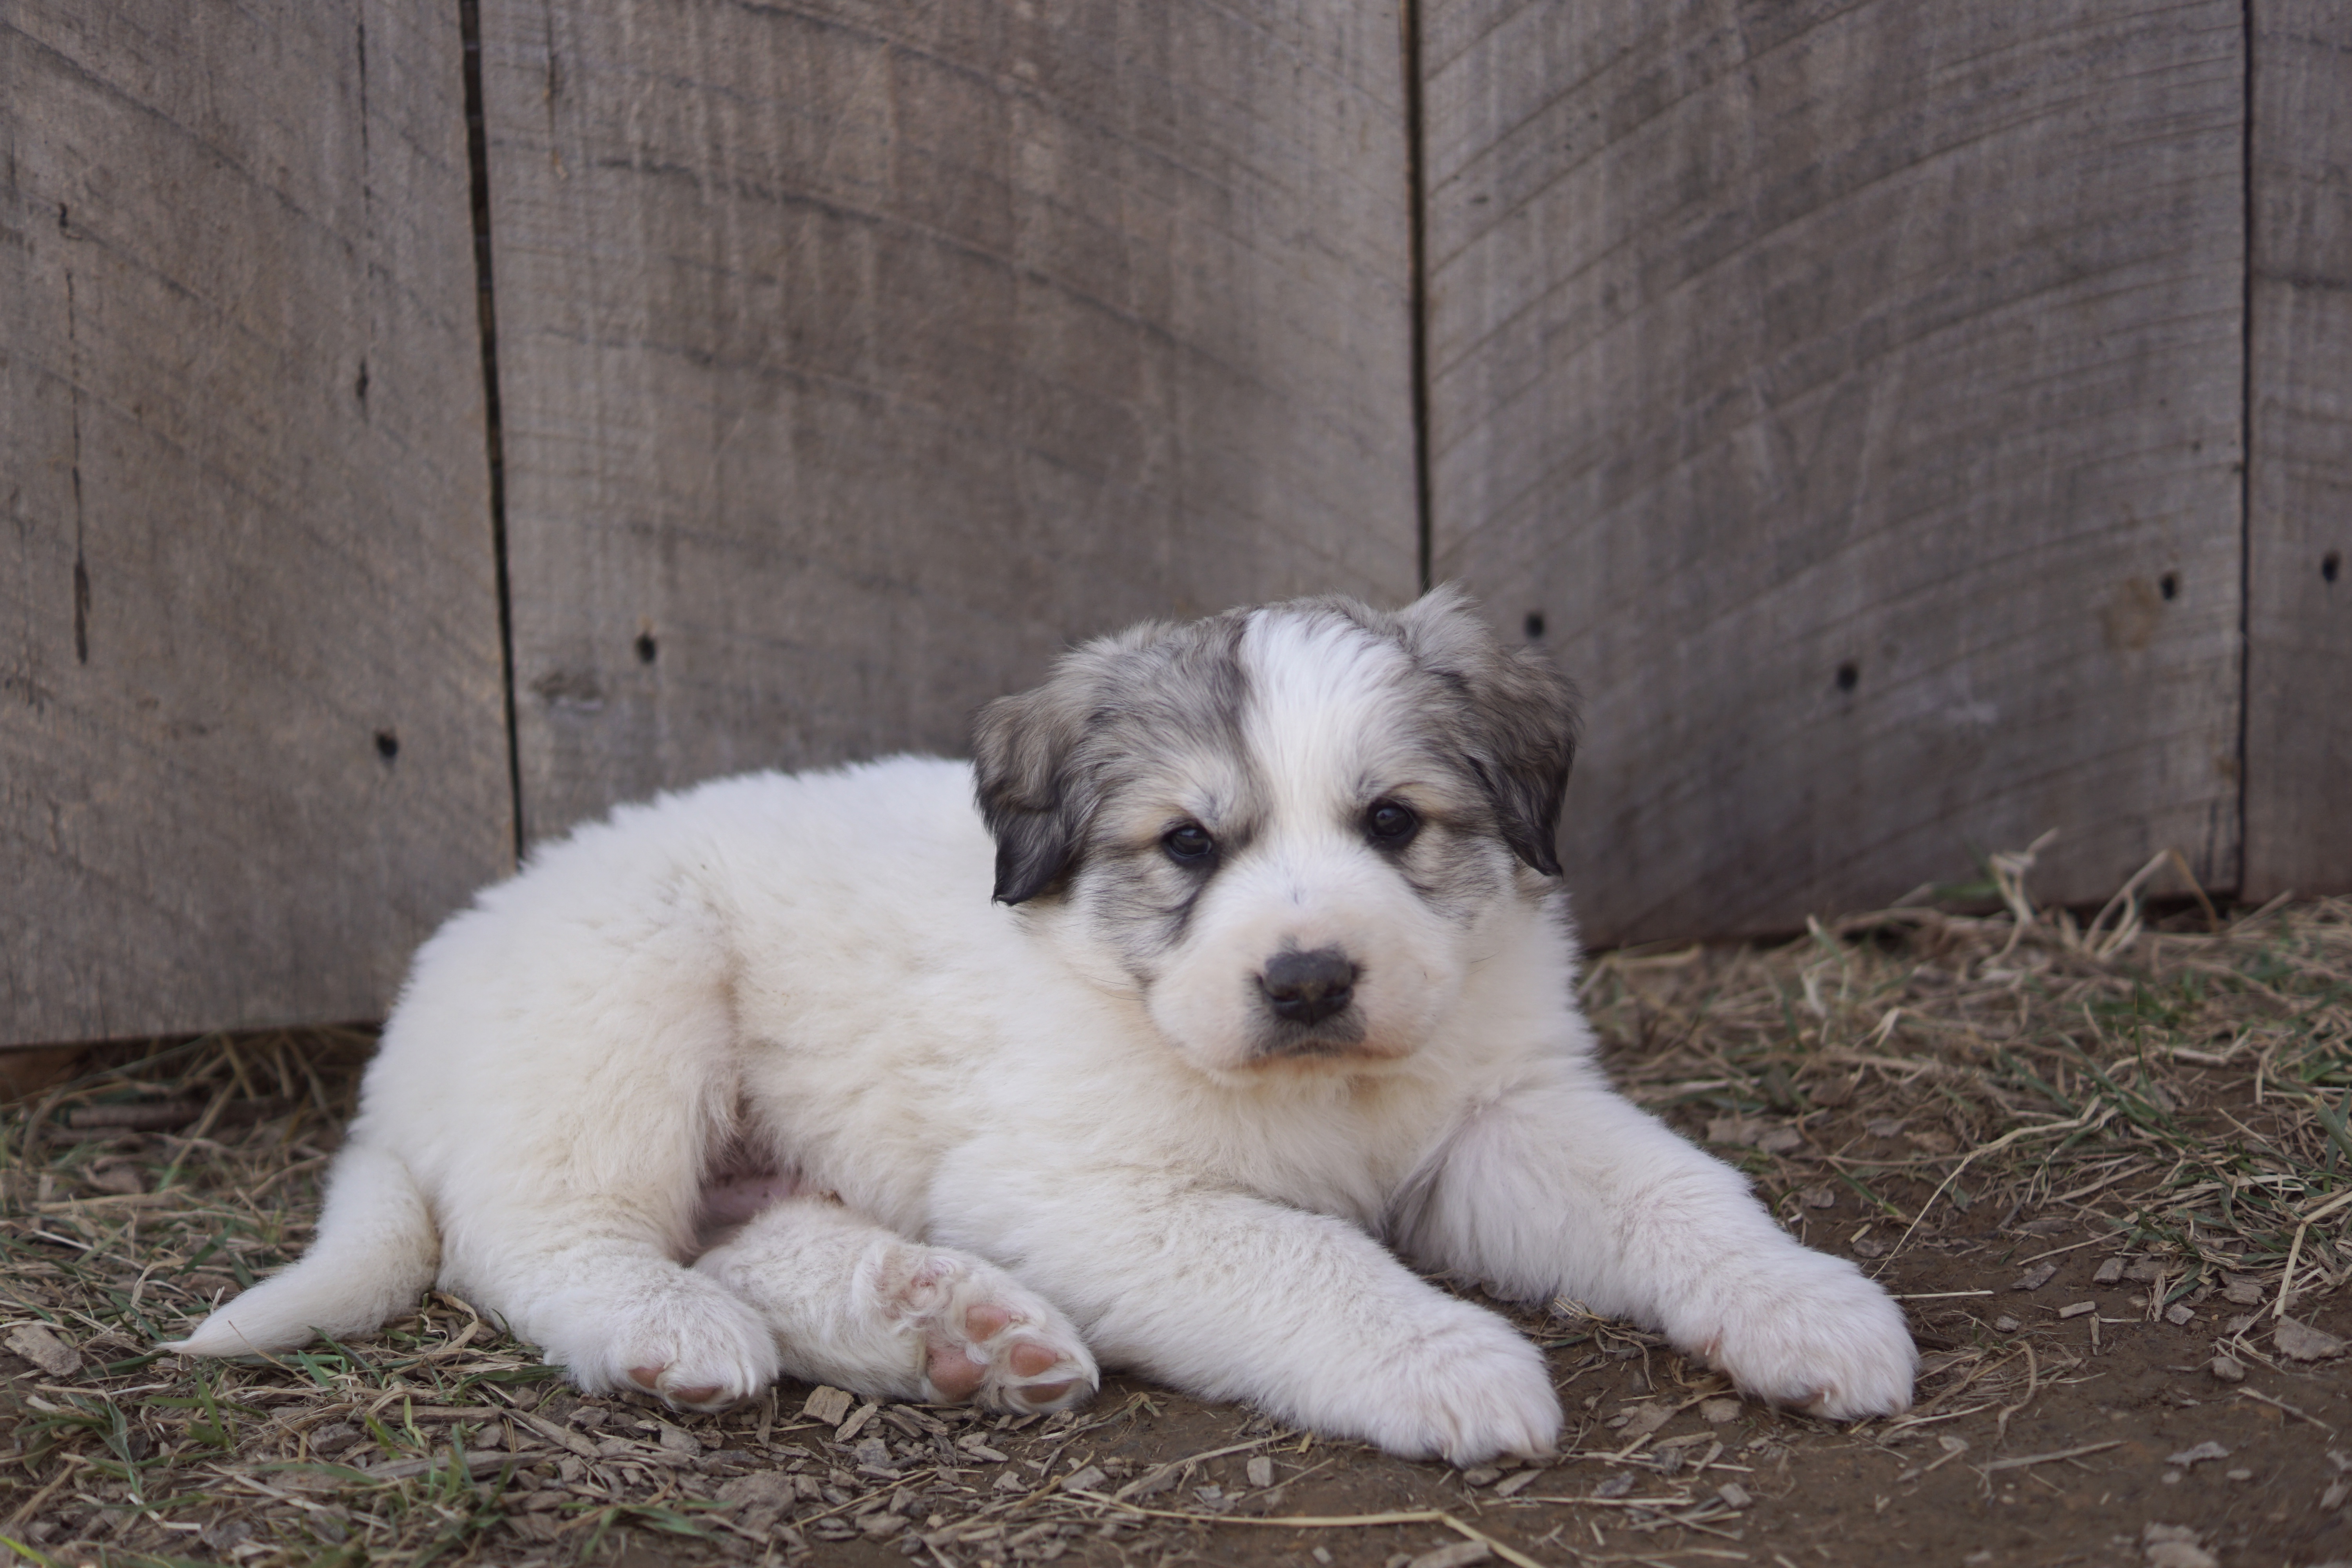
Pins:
<point x="1854" y="391"/>
<point x="2299" y="516"/>
<point x="244" y="480"/>
<point x="857" y="357"/>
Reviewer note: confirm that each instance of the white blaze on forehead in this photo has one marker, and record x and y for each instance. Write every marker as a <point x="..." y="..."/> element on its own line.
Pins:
<point x="1322" y="712"/>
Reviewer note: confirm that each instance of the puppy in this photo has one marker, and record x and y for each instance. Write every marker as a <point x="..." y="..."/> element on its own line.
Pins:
<point x="1276" y="988"/>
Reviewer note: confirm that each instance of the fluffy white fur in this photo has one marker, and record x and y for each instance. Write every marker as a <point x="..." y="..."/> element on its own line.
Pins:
<point x="982" y="1145"/>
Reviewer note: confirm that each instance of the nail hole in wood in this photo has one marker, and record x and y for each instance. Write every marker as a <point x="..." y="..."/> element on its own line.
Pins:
<point x="1849" y="676"/>
<point x="387" y="744"/>
<point x="2168" y="585"/>
<point x="1536" y="622"/>
<point x="647" y="648"/>
<point x="2331" y="564"/>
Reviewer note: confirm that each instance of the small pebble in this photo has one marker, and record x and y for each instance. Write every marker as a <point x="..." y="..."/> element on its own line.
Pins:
<point x="1617" y="1485"/>
<point x="1484" y="1476"/>
<point x="2004" y="1325"/>
<point x="43" y="1350"/>
<point x="1512" y="1485"/>
<point x="1260" y="1471"/>
<point x="2243" y="1291"/>
<point x="2238" y="1475"/>
<point x="2036" y="1278"/>
<point x="2175" y="1546"/>
<point x="826" y="1404"/>
<point x="2078" y="1309"/>
<point x="2301" y="1342"/>
<point x="1716" y="1412"/>
<point x="2109" y="1272"/>
<point x="2227" y="1368"/>
<point x="2187" y="1457"/>
<point x="1734" y="1495"/>
<point x="1645" y="1419"/>
<point x="2178" y="1315"/>
<point x="1453" y="1556"/>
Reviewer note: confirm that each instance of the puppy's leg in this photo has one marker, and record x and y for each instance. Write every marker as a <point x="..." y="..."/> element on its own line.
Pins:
<point x="862" y="1308"/>
<point x="558" y="1074"/>
<point x="604" y="1299"/>
<point x="1232" y="1296"/>
<point x="1563" y="1187"/>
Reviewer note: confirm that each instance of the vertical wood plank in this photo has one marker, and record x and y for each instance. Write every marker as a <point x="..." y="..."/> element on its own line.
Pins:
<point x="251" y="709"/>
<point x="2299" y="522"/>
<point x="856" y="357"/>
<point x="1855" y="392"/>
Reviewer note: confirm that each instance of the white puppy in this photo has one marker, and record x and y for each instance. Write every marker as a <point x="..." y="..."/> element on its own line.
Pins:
<point x="1278" y="976"/>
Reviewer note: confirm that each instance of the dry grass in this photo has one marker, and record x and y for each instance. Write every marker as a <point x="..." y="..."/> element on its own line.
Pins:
<point x="2007" y="1087"/>
<point x="2180" y="1093"/>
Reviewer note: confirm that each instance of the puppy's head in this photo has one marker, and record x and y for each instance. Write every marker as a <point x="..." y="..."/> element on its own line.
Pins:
<point x="1287" y="828"/>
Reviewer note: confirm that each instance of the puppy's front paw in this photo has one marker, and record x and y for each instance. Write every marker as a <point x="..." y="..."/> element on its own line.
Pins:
<point x="986" y="1337"/>
<point x="1464" y="1390"/>
<point x="1814" y="1334"/>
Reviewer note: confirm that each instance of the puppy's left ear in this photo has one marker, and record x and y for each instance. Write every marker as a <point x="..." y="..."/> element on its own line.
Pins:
<point x="1022" y="755"/>
<point x="1519" y="730"/>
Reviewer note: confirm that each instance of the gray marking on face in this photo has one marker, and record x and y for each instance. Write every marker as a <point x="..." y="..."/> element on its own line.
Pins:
<point x="1133" y="734"/>
<point x="1154" y="711"/>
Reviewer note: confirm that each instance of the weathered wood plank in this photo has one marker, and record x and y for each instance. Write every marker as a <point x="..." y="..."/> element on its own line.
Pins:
<point x="854" y="357"/>
<point x="248" y="533"/>
<point x="2299" y="514"/>
<point x="1855" y="392"/>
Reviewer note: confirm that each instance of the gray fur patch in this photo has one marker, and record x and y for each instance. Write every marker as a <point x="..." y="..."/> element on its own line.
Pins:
<point x="1159" y="703"/>
<point x="1133" y="734"/>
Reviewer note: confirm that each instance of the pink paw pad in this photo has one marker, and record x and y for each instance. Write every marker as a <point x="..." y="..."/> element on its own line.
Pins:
<point x="986" y="1339"/>
<point x="649" y="1378"/>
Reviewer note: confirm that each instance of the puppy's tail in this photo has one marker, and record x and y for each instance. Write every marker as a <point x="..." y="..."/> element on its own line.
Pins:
<point x="375" y="1252"/>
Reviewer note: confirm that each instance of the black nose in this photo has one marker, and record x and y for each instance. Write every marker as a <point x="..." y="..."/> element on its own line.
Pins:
<point x="1308" y="987"/>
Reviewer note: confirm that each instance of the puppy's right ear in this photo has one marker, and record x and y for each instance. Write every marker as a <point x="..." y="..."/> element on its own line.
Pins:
<point x="1023" y="752"/>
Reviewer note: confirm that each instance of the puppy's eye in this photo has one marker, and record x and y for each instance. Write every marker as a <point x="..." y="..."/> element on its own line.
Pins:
<point x="1391" y="825"/>
<point x="1188" y="841"/>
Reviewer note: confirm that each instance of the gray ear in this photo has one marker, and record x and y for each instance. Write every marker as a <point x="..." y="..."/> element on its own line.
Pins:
<point x="1023" y="749"/>
<point x="1519" y="732"/>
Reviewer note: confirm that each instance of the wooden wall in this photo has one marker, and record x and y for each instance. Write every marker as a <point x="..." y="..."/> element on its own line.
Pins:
<point x="2298" y="799"/>
<point x="1915" y="427"/>
<point x="1855" y="392"/>
<point x="859" y="357"/>
<point x="252" y="732"/>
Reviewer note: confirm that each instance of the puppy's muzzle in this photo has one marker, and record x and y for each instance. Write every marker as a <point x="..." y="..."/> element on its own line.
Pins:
<point x="1306" y="988"/>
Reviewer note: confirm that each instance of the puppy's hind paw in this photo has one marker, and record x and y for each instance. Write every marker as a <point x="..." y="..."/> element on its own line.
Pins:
<point x="988" y="1339"/>
<point x="672" y="1335"/>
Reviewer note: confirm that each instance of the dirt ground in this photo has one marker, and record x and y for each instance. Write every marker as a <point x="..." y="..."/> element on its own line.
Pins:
<point x="2100" y="1160"/>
